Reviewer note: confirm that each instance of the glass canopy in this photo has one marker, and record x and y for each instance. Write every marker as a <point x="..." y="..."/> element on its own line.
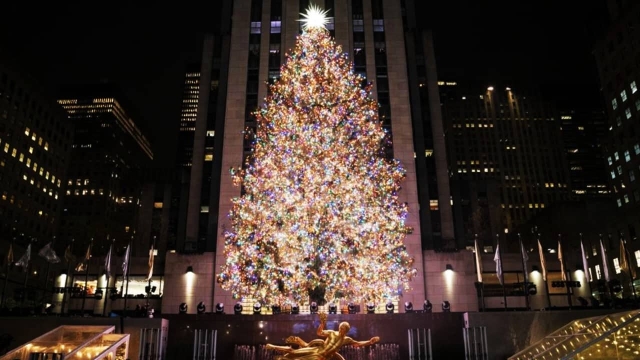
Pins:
<point x="74" y="342"/>
<point x="614" y="336"/>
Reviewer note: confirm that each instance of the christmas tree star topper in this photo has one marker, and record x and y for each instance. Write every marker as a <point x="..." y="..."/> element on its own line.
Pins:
<point x="314" y="18"/>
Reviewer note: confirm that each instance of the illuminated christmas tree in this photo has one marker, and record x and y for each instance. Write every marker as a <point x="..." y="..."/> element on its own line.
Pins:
<point x="319" y="214"/>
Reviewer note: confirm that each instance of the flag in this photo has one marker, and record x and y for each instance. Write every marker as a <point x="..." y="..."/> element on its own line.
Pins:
<point x="150" y="264"/>
<point x="605" y="264"/>
<point x="83" y="265"/>
<point x="107" y="263"/>
<point x="478" y="261"/>
<point x="585" y="264"/>
<point x="24" y="260"/>
<point x="10" y="255"/>
<point x="525" y="258"/>
<point x="561" y="259"/>
<point x="125" y="262"/>
<point x="543" y="263"/>
<point x="48" y="253"/>
<point x="498" y="261"/>
<point x="624" y="261"/>
<point x="68" y="255"/>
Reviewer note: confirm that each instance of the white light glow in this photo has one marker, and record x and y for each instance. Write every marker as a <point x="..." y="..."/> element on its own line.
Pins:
<point x="314" y="18"/>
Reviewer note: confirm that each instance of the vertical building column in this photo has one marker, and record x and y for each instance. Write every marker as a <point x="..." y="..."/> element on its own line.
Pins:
<point x="369" y="48"/>
<point x="290" y="24"/>
<point x="439" y="144"/>
<point x="234" y="124"/>
<point x="199" y="138"/>
<point x="264" y="50"/>
<point x="403" y="140"/>
<point x="342" y="24"/>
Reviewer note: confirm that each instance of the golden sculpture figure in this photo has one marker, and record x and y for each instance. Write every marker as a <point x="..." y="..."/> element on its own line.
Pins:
<point x="320" y="349"/>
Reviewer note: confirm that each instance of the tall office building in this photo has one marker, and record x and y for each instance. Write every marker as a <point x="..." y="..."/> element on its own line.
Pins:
<point x="104" y="182"/>
<point x="506" y="157"/>
<point x="35" y="141"/>
<point x="239" y="58"/>
<point x="584" y="132"/>
<point x="617" y="54"/>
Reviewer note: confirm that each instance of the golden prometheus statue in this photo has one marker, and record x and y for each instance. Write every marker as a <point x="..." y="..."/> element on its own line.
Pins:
<point x="320" y="349"/>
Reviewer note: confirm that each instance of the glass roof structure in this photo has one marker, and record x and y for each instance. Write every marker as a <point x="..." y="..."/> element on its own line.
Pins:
<point x="74" y="342"/>
<point x="613" y="336"/>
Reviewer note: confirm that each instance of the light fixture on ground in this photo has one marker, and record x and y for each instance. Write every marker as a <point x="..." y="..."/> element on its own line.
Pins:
<point x="257" y="308"/>
<point x="333" y="308"/>
<point x="351" y="308"/>
<point x="295" y="309"/>
<point x="98" y="294"/>
<point x="189" y="269"/>
<point x="535" y="268"/>
<point x="314" y="307"/>
<point x="532" y="289"/>
<point x="201" y="308"/>
<point x="219" y="308"/>
<point x="275" y="309"/>
<point x="389" y="307"/>
<point x="446" y="306"/>
<point x="182" y="308"/>
<point x="408" y="307"/>
<point x="237" y="309"/>
<point x="371" y="308"/>
<point x="427" y="306"/>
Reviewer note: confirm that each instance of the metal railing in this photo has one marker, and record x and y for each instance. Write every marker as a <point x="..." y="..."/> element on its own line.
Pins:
<point x="205" y="343"/>
<point x="420" y="344"/>
<point x="475" y="343"/>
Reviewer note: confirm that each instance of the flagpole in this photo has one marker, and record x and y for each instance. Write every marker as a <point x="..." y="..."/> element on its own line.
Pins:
<point x="586" y="265"/>
<point x="564" y="269"/>
<point x="479" y="269"/>
<point x="108" y="278"/>
<point x="66" y="279"/>
<point x="26" y="279"/>
<point x="153" y="247"/>
<point x="524" y="273"/>
<point x="46" y="277"/>
<point x="86" y="278"/>
<point x="504" y="291"/>
<point x="6" y="276"/>
<point x="126" y="278"/>
<point x="628" y="262"/>
<point x="543" y="263"/>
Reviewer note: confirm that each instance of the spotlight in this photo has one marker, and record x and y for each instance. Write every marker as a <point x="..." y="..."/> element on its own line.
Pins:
<point x="389" y="307"/>
<point x="295" y="309"/>
<point x="98" y="294"/>
<point x="446" y="307"/>
<point x="219" y="308"/>
<point x="427" y="306"/>
<point x="371" y="308"/>
<point x="182" y="308"/>
<point x="189" y="269"/>
<point x="314" y="307"/>
<point x="532" y="289"/>
<point x="408" y="307"/>
<point x="351" y="308"/>
<point x="257" y="308"/>
<point x="448" y="267"/>
<point x="201" y="308"/>
<point x="237" y="309"/>
<point x="275" y="309"/>
<point x="333" y="309"/>
<point x="535" y="268"/>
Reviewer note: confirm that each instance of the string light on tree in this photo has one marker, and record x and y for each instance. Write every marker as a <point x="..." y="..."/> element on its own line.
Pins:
<point x="320" y="212"/>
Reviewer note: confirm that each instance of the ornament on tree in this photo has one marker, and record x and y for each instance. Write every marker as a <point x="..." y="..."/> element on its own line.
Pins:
<point x="320" y="213"/>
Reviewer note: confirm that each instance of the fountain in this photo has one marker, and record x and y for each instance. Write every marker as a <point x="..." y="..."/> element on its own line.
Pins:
<point x="375" y="352"/>
<point x="244" y="352"/>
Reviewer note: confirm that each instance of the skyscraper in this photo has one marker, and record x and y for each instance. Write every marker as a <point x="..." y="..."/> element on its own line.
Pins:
<point x="240" y="58"/>
<point x="35" y="141"/>
<point x="104" y="180"/>
<point x="506" y="157"/>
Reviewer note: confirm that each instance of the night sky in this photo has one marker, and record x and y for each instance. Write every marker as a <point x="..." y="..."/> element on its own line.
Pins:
<point x="145" y="49"/>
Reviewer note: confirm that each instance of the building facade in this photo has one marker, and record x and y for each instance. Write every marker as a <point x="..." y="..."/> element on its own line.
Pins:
<point x="506" y="156"/>
<point x="104" y="185"/>
<point x="240" y="58"/>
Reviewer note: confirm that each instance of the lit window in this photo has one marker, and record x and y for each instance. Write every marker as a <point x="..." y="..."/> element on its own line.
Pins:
<point x="47" y="176"/>
<point x="619" y="169"/>
<point x="433" y="205"/>
<point x="590" y="274"/>
<point x="616" y="265"/>
<point x="157" y="205"/>
<point x="623" y="95"/>
<point x="611" y="160"/>
<point x="28" y="163"/>
<point x="256" y="27"/>
<point x="46" y="146"/>
<point x="39" y="141"/>
<point x="14" y="152"/>
<point x="378" y="25"/>
<point x="581" y="128"/>
<point x="6" y="148"/>
<point x="208" y="157"/>
<point x="204" y="209"/>
<point x="598" y="273"/>
<point x="276" y="27"/>
<point x="27" y="131"/>
<point x="626" y="198"/>
<point x="35" y="166"/>
<point x="86" y="181"/>
<point x="21" y="157"/>
<point x="638" y="105"/>
<point x="616" y="156"/>
<point x="637" y="254"/>
<point x="211" y="133"/>
<point x="33" y="136"/>
<point x="619" y="202"/>
<point x="632" y="176"/>
<point x="636" y="149"/>
<point x="627" y="156"/>
<point x="634" y="88"/>
<point x="614" y="104"/>
<point x="627" y="113"/>
<point x="618" y="121"/>
<point x="30" y="149"/>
